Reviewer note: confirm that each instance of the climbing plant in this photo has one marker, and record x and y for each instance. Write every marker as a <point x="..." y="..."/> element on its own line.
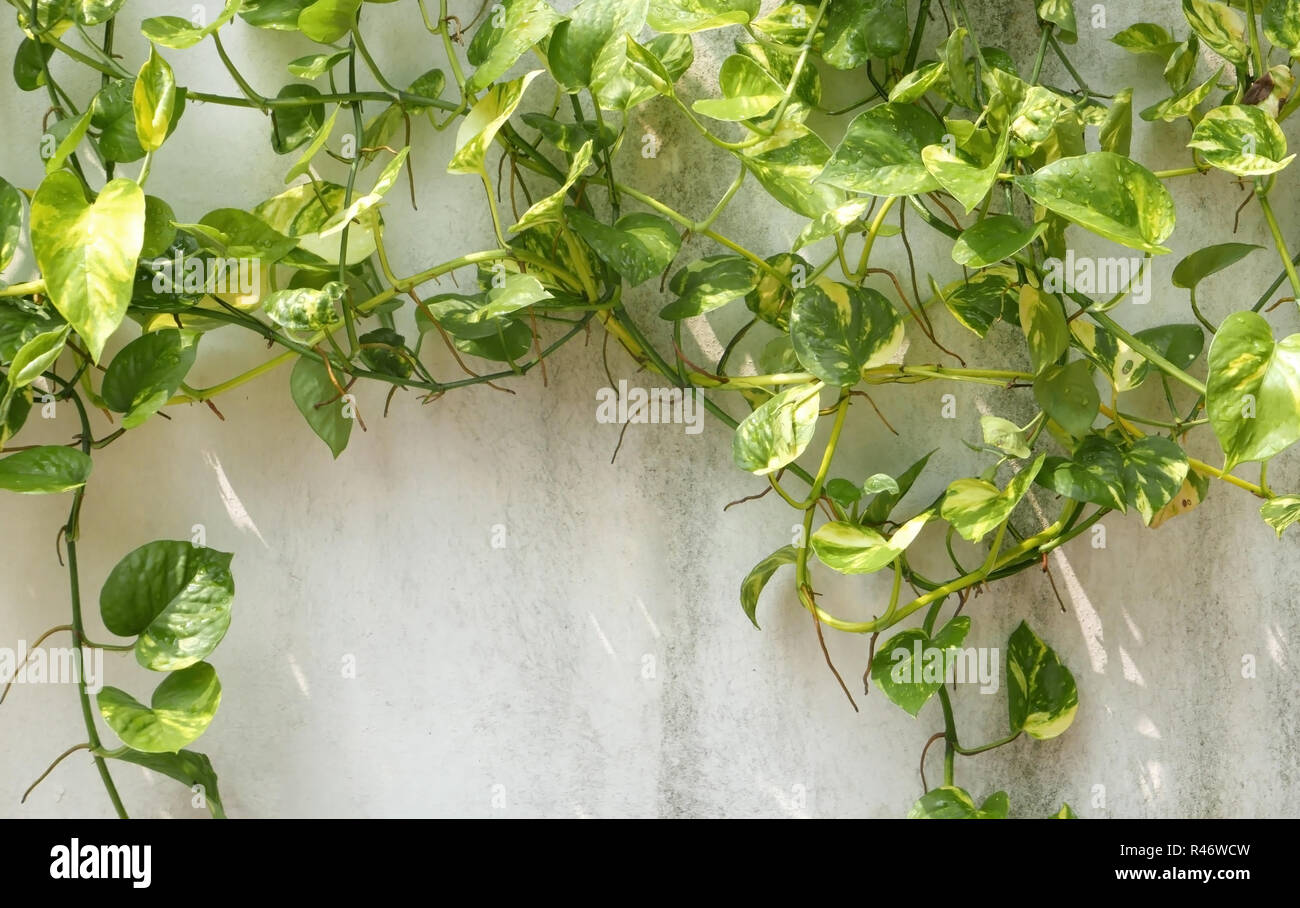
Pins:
<point x="112" y="293"/>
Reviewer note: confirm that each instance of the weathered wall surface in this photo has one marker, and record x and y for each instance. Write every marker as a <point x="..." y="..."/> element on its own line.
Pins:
<point x="599" y="664"/>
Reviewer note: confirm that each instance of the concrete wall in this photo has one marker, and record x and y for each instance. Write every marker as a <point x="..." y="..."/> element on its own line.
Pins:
<point x="599" y="663"/>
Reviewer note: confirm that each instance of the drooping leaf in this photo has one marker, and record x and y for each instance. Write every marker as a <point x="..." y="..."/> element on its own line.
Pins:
<point x="1041" y="695"/>
<point x="777" y="432"/>
<point x="1253" y="389"/>
<point x="1209" y="260"/>
<point x="1067" y="394"/>
<point x="852" y="549"/>
<point x="1220" y="26"/>
<point x="975" y="506"/>
<point x="638" y="247"/>
<point x="44" y="470"/>
<point x="181" y="710"/>
<point x="174" y="597"/>
<point x="188" y="767"/>
<point x="145" y="373"/>
<point x="481" y="124"/>
<point x="320" y="403"/>
<point x="752" y="586"/>
<point x="87" y="252"/>
<point x="910" y="667"/>
<point x="1281" y="512"/>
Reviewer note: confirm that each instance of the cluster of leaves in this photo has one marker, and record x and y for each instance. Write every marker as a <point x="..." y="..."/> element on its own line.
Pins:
<point x="1024" y="162"/>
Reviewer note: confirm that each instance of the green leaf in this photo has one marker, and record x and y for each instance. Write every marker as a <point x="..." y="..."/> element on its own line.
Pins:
<point x="551" y="208"/>
<point x="1155" y="468"/>
<point x="647" y="71"/>
<point x="1116" y="132"/>
<point x="911" y="667"/>
<point x="1094" y="474"/>
<point x="773" y="297"/>
<point x="589" y="49"/>
<point x="518" y="292"/>
<point x="147" y="372"/>
<point x="303" y="165"/>
<point x="787" y="165"/>
<point x="113" y="114"/>
<point x="1244" y="141"/>
<point x="844" y="493"/>
<point x="839" y="330"/>
<point x="87" y="253"/>
<point x="638" y="246"/>
<point x="752" y="586"/>
<point x="326" y="21"/>
<point x="1282" y="25"/>
<point x="236" y="233"/>
<point x="179" y="34"/>
<point x="989" y="241"/>
<point x="707" y="283"/>
<point x="1184" y="105"/>
<point x="852" y="549"/>
<point x="153" y="100"/>
<point x="976" y="506"/>
<point x="1065" y="813"/>
<point x="1043" y="322"/>
<point x="281" y="15"/>
<point x="689" y="16"/>
<point x="320" y="404"/>
<point x="175" y="597"/>
<point x="1004" y="435"/>
<point x="858" y="30"/>
<point x="1253" y="389"/>
<point x="913" y="86"/>
<point x="159" y="231"/>
<point x="832" y="221"/>
<point x="1182" y="63"/>
<point x="313" y="66"/>
<point x="1061" y="14"/>
<point x="384" y="182"/>
<point x="1111" y="195"/>
<point x="1067" y="394"/>
<point x="880" y="153"/>
<point x="507" y="33"/>
<point x="1146" y="38"/>
<point x="777" y="432"/>
<point x="945" y="803"/>
<point x="1281" y="512"/>
<point x="748" y="91"/>
<point x="1210" y="260"/>
<point x="884" y="503"/>
<point x="69" y="132"/>
<point x="188" y="767"/>
<point x="1041" y="695"/>
<point x="968" y="171"/>
<point x="43" y="470"/>
<point x="976" y="303"/>
<point x="569" y="137"/>
<point x="29" y="64"/>
<point x="511" y="340"/>
<point x="35" y="356"/>
<point x="183" y="707"/>
<point x="306" y="309"/>
<point x="293" y="127"/>
<point x="1219" y="26"/>
<point x="481" y="124"/>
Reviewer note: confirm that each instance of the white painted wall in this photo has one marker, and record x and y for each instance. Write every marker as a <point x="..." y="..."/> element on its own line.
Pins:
<point x="522" y="667"/>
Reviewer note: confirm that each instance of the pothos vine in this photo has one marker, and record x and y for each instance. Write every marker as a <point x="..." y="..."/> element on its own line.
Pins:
<point x="951" y="136"/>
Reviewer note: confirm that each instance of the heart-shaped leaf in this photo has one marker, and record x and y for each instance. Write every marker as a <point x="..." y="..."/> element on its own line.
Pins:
<point x="976" y="506"/>
<point x="175" y="597"/>
<point x="911" y="666"/>
<point x="326" y="21"/>
<point x="87" y="253"/>
<point x="839" y="330"/>
<point x="1067" y="394"/>
<point x="147" y="372"/>
<point x="1041" y="695"/>
<point x="852" y="549"/>
<point x="859" y="30"/>
<point x="181" y="710"/>
<point x="778" y="431"/>
<point x="589" y="49"/>
<point x="880" y="153"/>
<point x="1244" y="141"/>
<point x="320" y="403"/>
<point x="1155" y="468"/>
<point x="1094" y="474"/>
<point x="507" y="33"/>
<point x="707" y="283"/>
<point x="1109" y="194"/>
<point x="44" y="470"/>
<point x="638" y="247"/>
<point x="1253" y="389"/>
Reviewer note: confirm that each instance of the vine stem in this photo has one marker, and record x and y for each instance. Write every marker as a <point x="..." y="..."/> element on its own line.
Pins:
<point x="70" y="532"/>
<point x="1278" y="239"/>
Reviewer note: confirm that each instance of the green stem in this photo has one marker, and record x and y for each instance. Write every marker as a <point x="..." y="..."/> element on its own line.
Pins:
<point x="1278" y="239"/>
